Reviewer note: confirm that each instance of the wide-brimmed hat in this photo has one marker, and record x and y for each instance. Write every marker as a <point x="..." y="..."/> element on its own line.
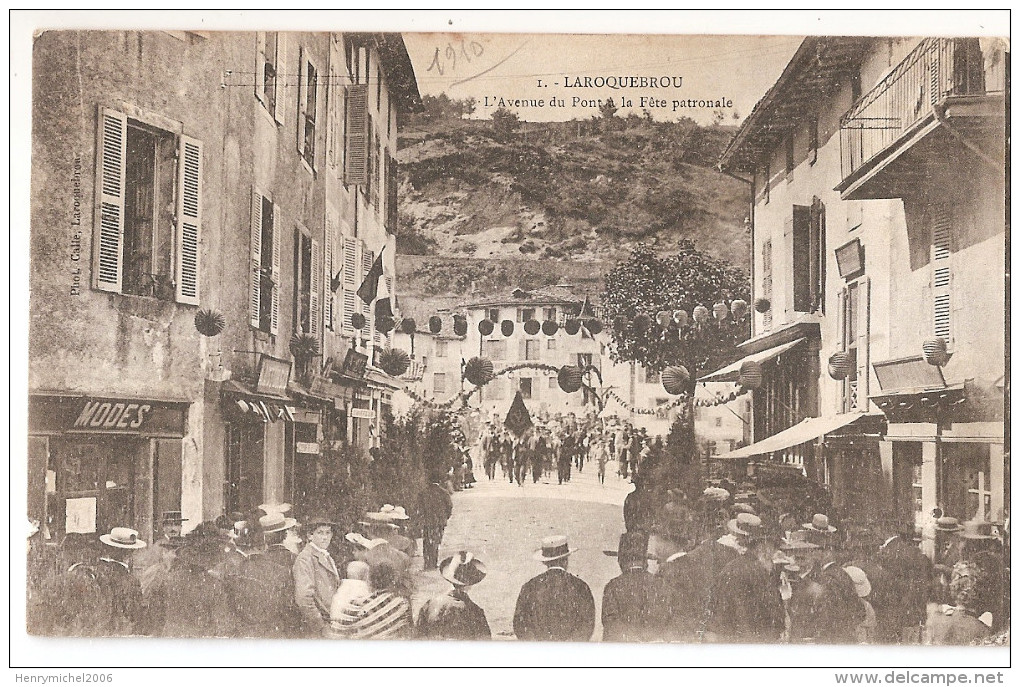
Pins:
<point x="978" y="529"/>
<point x="819" y="523"/>
<point x="796" y="543"/>
<point x="717" y="494"/>
<point x="123" y="538"/>
<point x="269" y="508"/>
<point x="172" y="516"/>
<point x="276" y="522"/>
<point x="743" y="508"/>
<point x="746" y="525"/>
<point x="319" y="519"/>
<point x="363" y="541"/>
<point x="462" y="569"/>
<point x="389" y="512"/>
<point x="860" y="578"/>
<point x="377" y="524"/>
<point x="948" y="524"/>
<point x="553" y="548"/>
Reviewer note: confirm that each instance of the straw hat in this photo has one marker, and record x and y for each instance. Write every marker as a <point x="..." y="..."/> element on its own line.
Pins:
<point x="389" y="512"/>
<point x="553" y="549"/>
<point x="462" y="569"/>
<point x="275" y="521"/>
<point x="123" y="538"/>
<point x="746" y="525"/>
<point x="861" y="583"/>
<point x="819" y="523"/>
<point x="948" y="524"/>
<point x="978" y="529"/>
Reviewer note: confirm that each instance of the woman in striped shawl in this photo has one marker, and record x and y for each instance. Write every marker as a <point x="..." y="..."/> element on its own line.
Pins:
<point x="383" y="614"/>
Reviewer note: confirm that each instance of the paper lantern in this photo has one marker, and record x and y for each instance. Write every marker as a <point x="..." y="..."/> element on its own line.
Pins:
<point x="663" y="317"/>
<point x="680" y="317"/>
<point x="839" y="365"/>
<point x="720" y="311"/>
<point x="739" y="309"/>
<point x="478" y="371"/>
<point x="532" y="327"/>
<point x="935" y="351"/>
<point x="357" y="320"/>
<point x="393" y="361"/>
<point x="619" y="323"/>
<point x="506" y="327"/>
<point x="209" y="322"/>
<point x="385" y="324"/>
<point x="569" y="378"/>
<point x="750" y="374"/>
<point x="641" y="322"/>
<point x="549" y="327"/>
<point x="701" y="314"/>
<point x="572" y="326"/>
<point x="762" y="305"/>
<point x="460" y="325"/>
<point x="675" y="379"/>
<point x="408" y="325"/>
<point x="593" y="326"/>
<point x="485" y="327"/>
<point x="435" y="324"/>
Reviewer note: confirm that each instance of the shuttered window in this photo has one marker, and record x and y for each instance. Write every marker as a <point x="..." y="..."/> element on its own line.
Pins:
<point x="766" y="282"/>
<point x="356" y="135"/>
<point x="330" y="274"/>
<point x="264" y="261"/>
<point x="941" y="276"/>
<point x="148" y="227"/>
<point x="270" y="74"/>
<point x="308" y="82"/>
<point x="367" y="258"/>
<point x="351" y="274"/>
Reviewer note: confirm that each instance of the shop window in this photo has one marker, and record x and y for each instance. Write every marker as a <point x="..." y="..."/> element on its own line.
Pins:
<point x="308" y="86"/>
<point x="269" y="67"/>
<point x="245" y="466"/>
<point x="149" y="195"/>
<point x="264" y="289"/>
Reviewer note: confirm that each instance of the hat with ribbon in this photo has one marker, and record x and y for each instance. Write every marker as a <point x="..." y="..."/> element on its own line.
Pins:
<point x="363" y="541"/>
<point x="819" y="523"/>
<point x="746" y="525"/>
<point x="173" y="516"/>
<point x="275" y="508"/>
<point x="389" y="512"/>
<point x="462" y="569"/>
<point x="553" y="548"/>
<point x="123" y="538"/>
<point x="276" y="521"/>
<point x="948" y="524"/>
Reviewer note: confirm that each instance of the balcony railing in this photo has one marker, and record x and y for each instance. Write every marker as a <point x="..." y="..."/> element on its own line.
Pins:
<point x="936" y="69"/>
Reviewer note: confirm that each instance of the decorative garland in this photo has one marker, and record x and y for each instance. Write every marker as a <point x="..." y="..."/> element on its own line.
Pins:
<point x="680" y="400"/>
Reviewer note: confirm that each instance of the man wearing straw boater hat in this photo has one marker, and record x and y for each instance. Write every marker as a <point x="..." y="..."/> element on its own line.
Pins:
<point x="121" y="589"/>
<point x="555" y="605"/>
<point x="454" y="615"/>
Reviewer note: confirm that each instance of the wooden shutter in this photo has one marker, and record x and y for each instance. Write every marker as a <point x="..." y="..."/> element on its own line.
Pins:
<point x="841" y="334"/>
<point x="801" y="277"/>
<point x="260" y="66"/>
<point x="274" y="326"/>
<point x="328" y="271"/>
<point x="255" y="260"/>
<point x="367" y="258"/>
<point x="942" y="276"/>
<point x="766" y="282"/>
<point x="302" y="94"/>
<point x="168" y="470"/>
<point x="281" y="76"/>
<point x="314" y="299"/>
<point x="108" y="256"/>
<point x="356" y="138"/>
<point x="189" y="220"/>
<point x="863" y="341"/>
<point x="332" y="134"/>
<point x="350" y="281"/>
<point x="38" y="460"/>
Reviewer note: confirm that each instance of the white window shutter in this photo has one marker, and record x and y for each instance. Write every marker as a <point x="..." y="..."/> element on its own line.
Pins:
<point x="350" y="282"/>
<point x="331" y="115"/>
<point x="367" y="258"/>
<point x="766" y="283"/>
<point x="328" y="272"/>
<point x="189" y="220"/>
<point x="108" y="256"/>
<point x="274" y="326"/>
<point x="255" y="284"/>
<point x="863" y="341"/>
<point x="260" y="65"/>
<point x="314" y="299"/>
<point x="281" y="76"/>
<point x="356" y="136"/>
<point x="302" y="75"/>
<point x="942" y="273"/>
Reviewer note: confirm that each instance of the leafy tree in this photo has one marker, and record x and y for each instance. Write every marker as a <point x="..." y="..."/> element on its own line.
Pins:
<point x="505" y="122"/>
<point x="608" y="109"/>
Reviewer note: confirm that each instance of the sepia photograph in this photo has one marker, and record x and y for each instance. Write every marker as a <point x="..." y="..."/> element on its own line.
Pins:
<point x="689" y="342"/>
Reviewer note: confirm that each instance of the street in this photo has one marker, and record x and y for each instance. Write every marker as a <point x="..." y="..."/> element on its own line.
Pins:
<point x="502" y="524"/>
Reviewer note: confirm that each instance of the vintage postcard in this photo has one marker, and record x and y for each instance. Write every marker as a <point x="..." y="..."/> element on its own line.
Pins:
<point x="341" y="329"/>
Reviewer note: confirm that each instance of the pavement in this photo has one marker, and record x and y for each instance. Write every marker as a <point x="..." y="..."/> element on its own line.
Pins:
<point x="503" y="524"/>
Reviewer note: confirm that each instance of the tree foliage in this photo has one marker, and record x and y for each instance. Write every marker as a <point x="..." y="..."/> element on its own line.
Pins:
<point x="505" y="122"/>
<point x="647" y="283"/>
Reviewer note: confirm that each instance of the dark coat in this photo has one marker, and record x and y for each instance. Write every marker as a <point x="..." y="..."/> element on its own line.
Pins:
<point x="195" y="604"/>
<point x="913" y="576"/>
<point x="745" y="605"/>
<point x="685" y="587"/>
<point x="123" y="593"/>
<point x="436" y="506"/>
<point x="261" y="592"/>
<point x="555" y="606"/>
<point x="453" y="616"/>
<point x="825" y="608"/>
<point x="631" y="609"/>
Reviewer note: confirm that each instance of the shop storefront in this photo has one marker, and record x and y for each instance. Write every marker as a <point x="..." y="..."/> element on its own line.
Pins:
<point x="101" y="462"/>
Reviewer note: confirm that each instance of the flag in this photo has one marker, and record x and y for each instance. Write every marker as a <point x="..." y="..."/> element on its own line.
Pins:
<point x="518" y="419"/>
<point x="369" y="289"/>
<point x="586" y="308"/>
<point x="383" y="308"/>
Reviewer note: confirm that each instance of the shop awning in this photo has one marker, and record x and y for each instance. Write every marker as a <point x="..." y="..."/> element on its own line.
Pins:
<point x="802" y="432"/>
<point x="731" y="372"/>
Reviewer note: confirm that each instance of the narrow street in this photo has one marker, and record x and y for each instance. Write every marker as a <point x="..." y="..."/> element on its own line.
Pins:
<point x="502" y="524"/>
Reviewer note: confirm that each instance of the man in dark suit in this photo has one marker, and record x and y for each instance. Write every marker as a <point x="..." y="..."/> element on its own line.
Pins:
<point x="119" y="588"/>
<point x="631" y="607"/>
<point x="555" y="605"/>
<point x="435" y="506"/>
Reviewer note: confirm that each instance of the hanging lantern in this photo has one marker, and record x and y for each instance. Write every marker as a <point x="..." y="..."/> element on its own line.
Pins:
<point x="209" y="322"/>
<point x="680" y="317"/>
<point x="393" y="361"/>
<point x="762" y="305"/>
<point x="435" y="324"/>
<point x="460" y="325"/>
<point x="569" y="378"/>
<point x="675" y="379"/>
<point x="935" y="351"/>
<point x="357" y="320"/>
<point x="385" y="324"/>
<point x="478" y="371"/>
<point x="641" y="322"/>
<point x="720" y="311"/>
<point x="572" y="326"/>
<point x="750" y="374"/>
<point x="506" y="327"/>
<point x="701" y="314"/>
<point x="619" y="323"/>
<point x="532" y="327"/>
<point x="739" y="309"/>
<point x="593" y="326"/>
<point x="663" y="317"/>
<point x="549" y="327"/>
<point x="485" y="327"/>
<point x="408" y="325"/>
<point x="839" y="365"/>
